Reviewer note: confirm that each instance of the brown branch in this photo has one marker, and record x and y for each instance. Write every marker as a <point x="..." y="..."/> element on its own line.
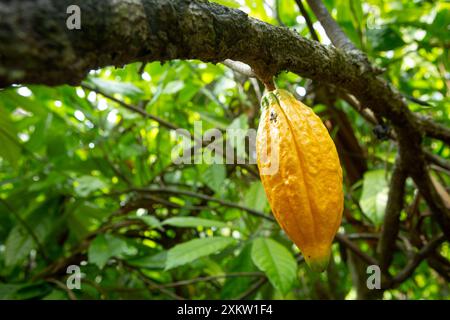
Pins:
<point x="423" y="253"/>
<point x="435" y="159"/>
<point x="212" y="278"/>
<point x="434" y="130"/>
<point x="62" y="286"/>
<point x="203" y="197"/>
<point x="164" y="123"/>
<point x="333" y="30"/>
<point x="253" y="288"/>
<point x="440" y="264"/>
<point x="152" y="284"/>
<point x="391" y="224"/>
<point x="343" y="240"/>
<point x="308" y="21"/>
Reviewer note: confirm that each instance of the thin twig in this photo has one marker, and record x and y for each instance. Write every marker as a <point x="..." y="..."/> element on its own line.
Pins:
<point x="153" y="285"/>
<point x="417" y="259"/>
<point x="62" y="286"/>
<point x="258" y="284"/>
<point x="333" y="30"/>
<point x="204" y="197"/>
<point x="342" y="239"/>
<point x="391" y="224"/>
<point x="212" y="278"/>
<point x="308" y="21"/>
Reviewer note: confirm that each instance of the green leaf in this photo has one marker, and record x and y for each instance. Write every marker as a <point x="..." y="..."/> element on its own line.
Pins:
<point x="374" y="195"/>
<point x="214" y="177"/>
<point x="156" y="261"/>
<point x="233" y="287"/>
<point x="113" y="87"/>
<point x="12" y="100"/>
<point x="237" y="134"/>
<point x="192" y="250"/>
<point x="228" y="3"/>
<point x="10" y="144"/>
<point x="20" y="242"/>
<point x="193" y="222"/>
<point x="349" y="17"/>
<point x="23" y="291"/>
<point x="384" y="39"/>
<point x="276" y="262"/>
<point x="85" y="185"/>
<point x="440" y="26"/>
<point x="7" y="291"/>
<point x="173" y="87"/>
<point x="255" y="196"/>
<point x="106" y="246"/>
<point x="151" y="221"/>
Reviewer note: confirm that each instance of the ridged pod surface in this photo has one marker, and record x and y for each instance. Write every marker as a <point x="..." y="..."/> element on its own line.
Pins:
<point x="301" y="175"/>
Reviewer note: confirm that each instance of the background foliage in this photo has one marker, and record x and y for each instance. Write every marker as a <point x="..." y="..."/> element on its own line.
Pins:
<point x="86" y="176"/>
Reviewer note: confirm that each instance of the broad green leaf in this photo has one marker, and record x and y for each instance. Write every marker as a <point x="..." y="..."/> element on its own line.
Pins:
<point x="106" y="246"/>
<point x="374" y="195"/>
<point x="156" y="261"/>
<point x="255" y="197"/>
<point x="32" y="291"/>
<point x="12" y="100"/>
<point x="212" y="119"/>
<point x="23" y="291"/>
<point x="9" y="143"/>
<point x="440" y="25"/>
<point x="237" y="133"/>
<point x="276" y="262"/>
<point x="173" y="87"/>
<point x="228" y="3"/>
<point x="83" y="216"/>
<point x="85" y="185"/>
<point x="349" y="17"/>
<point x="113" y="87"/>
<point x="233" y="287"/>
<point x="7" y="291"/>
<point x="151" y="221"/>
<point x="214" y="177"/>
<point x="189" y="251"/>
<point x="193" y="222"/>
<point x="40" y="222"/>
<point x="56" y="294"/>
<point x="384" y="39"/>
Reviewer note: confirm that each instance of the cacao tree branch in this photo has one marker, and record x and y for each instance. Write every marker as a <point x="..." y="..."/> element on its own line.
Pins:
<point x="435" y="159"/>
<point x="391" y="224"/>
<point x="434" y="130"/>
<point x="204" y="197"/>
<point x="308" y="21"/>
<point x="333" y="30"/>
<point x="212" y="278"/>
<point x="342" y="239"/>
<point x="423" y="253"/>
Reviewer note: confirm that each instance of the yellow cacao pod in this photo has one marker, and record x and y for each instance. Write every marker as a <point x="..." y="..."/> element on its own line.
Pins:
<point x="301" y="174"/>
